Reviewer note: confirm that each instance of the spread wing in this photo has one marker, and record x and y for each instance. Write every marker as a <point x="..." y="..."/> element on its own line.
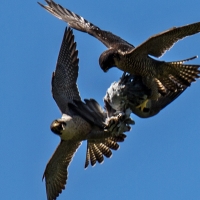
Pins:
<point x="56" y="170"/>
<point x="79" y="23"/>
<point x="158" y="44"/>
<point x="64" y="87"/>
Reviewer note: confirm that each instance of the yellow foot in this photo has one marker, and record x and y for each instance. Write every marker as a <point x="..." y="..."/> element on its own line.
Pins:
<point x="142" y="105"/>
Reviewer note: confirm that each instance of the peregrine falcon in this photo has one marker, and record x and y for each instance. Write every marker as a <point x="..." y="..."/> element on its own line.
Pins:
<point x="159" y="76"/>
<point x="80" y="121"/>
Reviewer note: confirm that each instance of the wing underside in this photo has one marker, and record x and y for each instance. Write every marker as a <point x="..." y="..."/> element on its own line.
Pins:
<point x="79" y="23"/>
<point x="64" y="87"/>
<point x="56" y="173"/>
<point x="158" y="44"/>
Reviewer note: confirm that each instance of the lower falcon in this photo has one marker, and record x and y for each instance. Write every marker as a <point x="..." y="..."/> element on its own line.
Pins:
<point x="80" y="121"/>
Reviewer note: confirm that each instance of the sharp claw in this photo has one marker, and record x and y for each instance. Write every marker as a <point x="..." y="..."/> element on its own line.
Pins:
<point x="142" y="105"/>
<point x="119" y="123"/>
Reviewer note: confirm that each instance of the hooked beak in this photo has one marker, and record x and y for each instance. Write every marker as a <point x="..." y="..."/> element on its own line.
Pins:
<point x="57" y="126"/>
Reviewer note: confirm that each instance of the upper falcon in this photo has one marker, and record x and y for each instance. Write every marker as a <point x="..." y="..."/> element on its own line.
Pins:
<point x="80" y="121"/>
<point x="159" y="76"/>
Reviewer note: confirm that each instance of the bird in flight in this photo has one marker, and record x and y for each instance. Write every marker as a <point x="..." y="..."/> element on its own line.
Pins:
<point x="159" y="76"/>
<point x="80" y="121"/>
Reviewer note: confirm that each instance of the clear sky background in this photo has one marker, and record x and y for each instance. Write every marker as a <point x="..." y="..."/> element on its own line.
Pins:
<point x="160" y="158"/>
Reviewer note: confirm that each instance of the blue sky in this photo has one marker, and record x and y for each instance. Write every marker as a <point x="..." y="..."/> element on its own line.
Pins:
<point x="160" y="158"/>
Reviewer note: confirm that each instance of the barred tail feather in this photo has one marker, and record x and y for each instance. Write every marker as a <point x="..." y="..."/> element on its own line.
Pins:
<point x="97" y="150"/>
<point x="105" y="150"/>
<point x="87" y="159"/>
<point x="112" y="145"/>
<point x="184" y="60"/>
<point x="92" y="157"/>
<point x="183" y="74"/>
<point x="95" y="153"/>
<point x="187" y="74"/>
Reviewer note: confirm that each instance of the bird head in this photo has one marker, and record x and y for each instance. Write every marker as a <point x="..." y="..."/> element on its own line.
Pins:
<point x="58" y="126"/>
<point x="109" y="59"/>
<point x="63" y="127"/>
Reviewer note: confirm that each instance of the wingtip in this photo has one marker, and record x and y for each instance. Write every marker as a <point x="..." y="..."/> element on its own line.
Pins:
<point x="41" y="4"/>
<point x="43" y="177"/>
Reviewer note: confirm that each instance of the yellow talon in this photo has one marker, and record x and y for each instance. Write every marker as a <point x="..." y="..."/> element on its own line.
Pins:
<point x="142" y="105"/>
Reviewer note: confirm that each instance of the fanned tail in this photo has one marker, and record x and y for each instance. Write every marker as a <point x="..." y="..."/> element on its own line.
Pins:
<point x="181" y="75"/>
<point x="187" y="73"/>
<point x="97" y="150"/>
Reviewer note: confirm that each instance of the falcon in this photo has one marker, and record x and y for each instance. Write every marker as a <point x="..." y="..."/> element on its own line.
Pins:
<point x="80" y="121"/>
<point x="159" y="76"/>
